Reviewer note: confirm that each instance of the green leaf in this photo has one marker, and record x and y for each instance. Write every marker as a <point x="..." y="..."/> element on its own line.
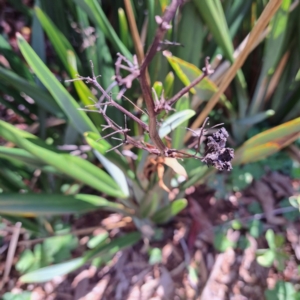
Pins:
<point x="33" y="260"/>
<point x="60" y="247"/>
<point x="26" y="261"/>
<point x="13" y="179"/>
<point x="191" y="34"/>
<point x="17" y="296"/>
<point x="20" y="155"/>
<point x="193" y="274"/>
<point x="41" y="97"/>
<point x="114" y="246"/>
<point x="222" y="243"/>
<point x="169" y="85"/>
<point x="155" y="256"/>
<point x="32" y="205"/>
<point x="152" y="6"/>
<point x="270" y="237"/>
<point x="204" y="90"/>
<point x="213" y="15"/>
<point x="78" y="118"/>
<point x="273" y="51"/>
<point x="70" y="61"/>
<point x="177" y="136"/>
<point x="57" y="39"/>
<point x="97" y="240"/>
<point x="259" y="117"/>
<point x="102" y="146"/>
<point x="255" y="228"/>
<point x="14" y="60"/>
<point x="158" y="88"/>
<point x="48" y="273"/>
<point x="85" y="94"/>
<point x="187" y="72"/>
<point x="215" y="20"/>
<point x="150" y="204"/>
<point x="266" y="260"/>
<point x="98" y="17"/>
<point x="174" y="121"/>
<point x="282" y="291"/>
<point x="169" y="211"/>
<point x="70" y="165"/>
<point x="114" y="172"/>
<point x="124" y="30"/>
<point x="268" y="142"/>
<point x="236" y="225"/>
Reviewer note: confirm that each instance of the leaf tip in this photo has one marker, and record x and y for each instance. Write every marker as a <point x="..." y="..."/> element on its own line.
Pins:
<point x="167" y="53"/>
<point x="19" y="36"/>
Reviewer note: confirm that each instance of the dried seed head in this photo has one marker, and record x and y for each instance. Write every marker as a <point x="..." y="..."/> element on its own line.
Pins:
<point x="216" y="154"/>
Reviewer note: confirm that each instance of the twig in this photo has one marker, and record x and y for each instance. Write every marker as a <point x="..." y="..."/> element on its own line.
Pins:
<point x="200" y="135"/>
<point x="206" y="71"/>
<point x="11" y="252"/>
<point x="161" y="30"/>
<point x="110" y="102"/>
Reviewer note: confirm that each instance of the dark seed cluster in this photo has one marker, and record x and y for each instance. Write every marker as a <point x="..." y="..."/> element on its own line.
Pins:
<point x="216" y="154"/>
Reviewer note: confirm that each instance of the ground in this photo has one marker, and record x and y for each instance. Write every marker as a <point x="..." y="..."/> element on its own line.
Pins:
<point x="190" y="267"/>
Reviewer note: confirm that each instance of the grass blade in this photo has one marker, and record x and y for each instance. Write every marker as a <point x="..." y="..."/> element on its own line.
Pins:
<point x="114" y="172"/>
<point x="41" y="98"/>
<point x="33" y="205"/>
<point x="78" y="118"/>
<point x="69" y="59"/>
<point x="124" y="30"/>
<point x="169" y="211"/>
<point x="191" y="34"/>
<point x="267" y="142"/>
<point x="14" y="60"/>
<point x="187" y="73"/>
<point x="20" y="155"/>
<point x="215" y="20"/>
<point x="174" y="121"/>
<point x="48" y="273"/>
<point x="72" y="166"/>
<point x="260" y="25"/>
<point x="98" y="17"/>
<point x="182" y="104"/>
<point x="111" y="248"/>
<point x="102" y="146"/>
<point x="273" y="51"/>
<point x="57" y="39"/>
<point x="251" y="120"/>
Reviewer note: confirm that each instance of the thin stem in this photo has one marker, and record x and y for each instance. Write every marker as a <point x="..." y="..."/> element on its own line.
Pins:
<point x="146" y="90"/>
<point x="206" y="71"/>
<point x="200" y="135"/>
<point x="134" y="31"/>
<point x="161" y="30"/>
<point x="186" y="89"/>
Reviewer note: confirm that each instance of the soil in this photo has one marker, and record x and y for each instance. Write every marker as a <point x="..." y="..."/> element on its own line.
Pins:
<point x="187" y="249"/>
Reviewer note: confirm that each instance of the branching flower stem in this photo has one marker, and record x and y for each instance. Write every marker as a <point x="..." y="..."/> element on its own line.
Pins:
<point x="216" y="155"/>
<point x="163" y="26"/>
